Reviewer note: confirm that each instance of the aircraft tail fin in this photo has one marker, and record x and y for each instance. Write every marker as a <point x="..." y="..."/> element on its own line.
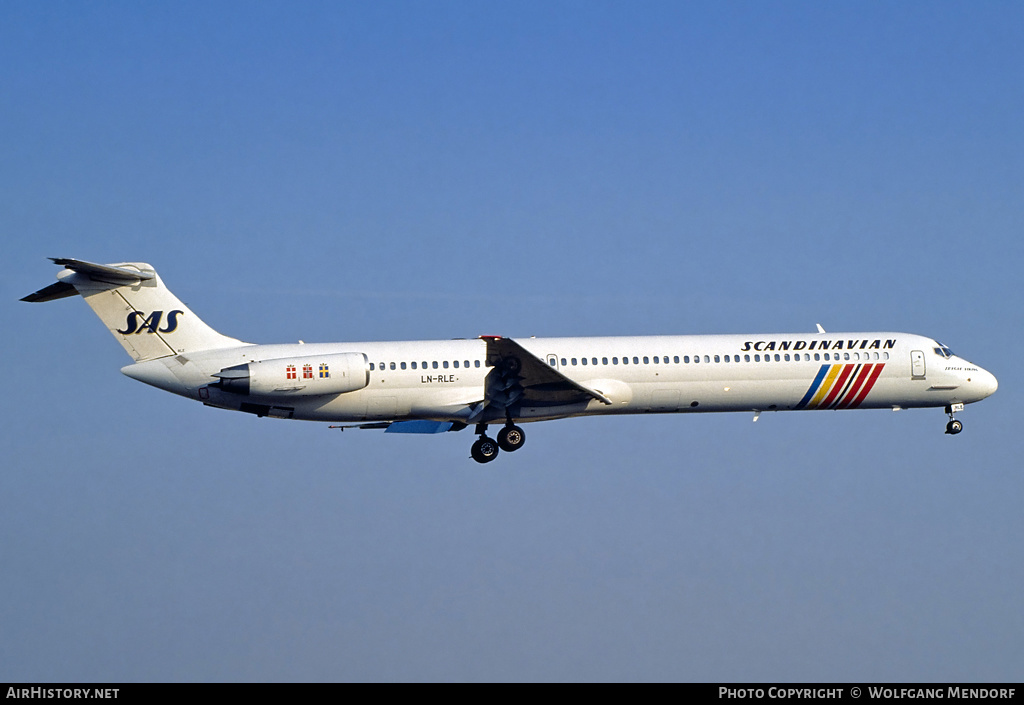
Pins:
<point x="138" y="310"/>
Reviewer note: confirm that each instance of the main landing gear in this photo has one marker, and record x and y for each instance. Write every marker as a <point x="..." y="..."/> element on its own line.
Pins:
<point x="510" y="438"/>
<point x="954" y="427"/>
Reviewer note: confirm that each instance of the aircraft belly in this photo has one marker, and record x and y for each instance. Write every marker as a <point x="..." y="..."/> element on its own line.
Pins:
<point x="393" y="403"/>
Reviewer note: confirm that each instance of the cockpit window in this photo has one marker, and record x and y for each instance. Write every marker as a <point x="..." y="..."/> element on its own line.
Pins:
<point x="943" y="351"/>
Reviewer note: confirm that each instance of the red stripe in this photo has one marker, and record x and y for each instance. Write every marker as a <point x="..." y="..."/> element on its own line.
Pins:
<point x="855" y="387"/>
<point x="845" y="392"/>
<point x="868" y="385"/>
<point x="836" y="387"/>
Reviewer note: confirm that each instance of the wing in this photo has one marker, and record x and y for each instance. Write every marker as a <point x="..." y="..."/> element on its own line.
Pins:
<point x="519" y="377"/>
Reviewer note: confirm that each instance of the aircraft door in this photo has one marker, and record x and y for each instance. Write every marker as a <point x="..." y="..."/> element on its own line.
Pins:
<point x="916" y="364"/>
<point x="553" y="361"/>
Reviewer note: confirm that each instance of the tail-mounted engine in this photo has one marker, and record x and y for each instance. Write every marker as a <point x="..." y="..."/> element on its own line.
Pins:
<point x="297" y="376"/>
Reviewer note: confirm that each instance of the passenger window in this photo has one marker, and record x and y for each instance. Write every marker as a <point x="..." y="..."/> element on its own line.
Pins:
<point x="676" y="359"/>
<point x="647" y="360"/>
<point x="757" y="358"/>
<point x="777" y="358"/>
<point x="826" y="357"/>
<point x="615" y="360"/>
<point x="465" y="363"/>
<point x="583" y="360"/>
<point x="444" y="364"/>
<point x="593" y="360"/>
<point x="371" y="367"/>
<point x="563" y="362"/>
<point x="707" y="358"/>
<point x="625" y="361"/>
<point x="402" y="365"/>
<point x="434" y="364"/>
<point x="604" y="360"/>
<point x="846" y="356"/>
<point x="456" y="364"/>
<point x="696" y="359"/>
<point x="786" y="356"/>
<point x="574" y="362"/>
<point x="746" y="358"/>
<point x="717" y="359"/>
<point x="656" y="359"/>
<point x="413" y="363"/>
<point x="392" y="365"/>
<point x="476" y="363"/>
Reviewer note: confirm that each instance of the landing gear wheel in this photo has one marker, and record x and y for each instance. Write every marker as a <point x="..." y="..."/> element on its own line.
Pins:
<point x="511" y="438"/>
<point x="484" y="450"/>
<point x="954" y="427"/>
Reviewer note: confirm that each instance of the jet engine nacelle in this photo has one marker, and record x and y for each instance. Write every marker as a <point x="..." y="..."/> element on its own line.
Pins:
<point x="311" y="375"/>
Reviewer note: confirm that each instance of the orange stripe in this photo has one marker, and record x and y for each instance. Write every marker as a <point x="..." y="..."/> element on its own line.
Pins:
<point x="847" y="369"/>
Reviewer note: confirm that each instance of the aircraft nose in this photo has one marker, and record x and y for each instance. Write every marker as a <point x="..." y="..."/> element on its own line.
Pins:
<point x="986" y="383"/>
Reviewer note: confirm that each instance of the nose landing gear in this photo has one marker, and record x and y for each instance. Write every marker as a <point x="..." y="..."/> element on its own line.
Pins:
<point x="954" y="427"/>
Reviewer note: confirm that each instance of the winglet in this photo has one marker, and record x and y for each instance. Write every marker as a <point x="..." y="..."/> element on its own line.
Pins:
<point x="820" y="329"/>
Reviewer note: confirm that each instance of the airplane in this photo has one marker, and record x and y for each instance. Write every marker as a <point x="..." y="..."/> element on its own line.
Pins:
<point x="449" y="385"/>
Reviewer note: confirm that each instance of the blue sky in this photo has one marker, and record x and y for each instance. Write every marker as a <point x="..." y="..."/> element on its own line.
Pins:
<point x="334" y="172"/>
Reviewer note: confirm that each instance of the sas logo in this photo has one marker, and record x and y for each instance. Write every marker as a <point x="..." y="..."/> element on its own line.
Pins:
<point x="138" y="322"/>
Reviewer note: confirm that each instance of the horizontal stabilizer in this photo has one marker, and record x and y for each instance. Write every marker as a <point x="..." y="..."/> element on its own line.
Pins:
<point x="99" y="272"/>
<point x="60" y="290"/>
<point x="104" y="271"/>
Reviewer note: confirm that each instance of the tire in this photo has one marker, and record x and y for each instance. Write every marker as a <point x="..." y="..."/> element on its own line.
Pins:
<point x="511" y="438"/>
<point x="484" y="450"/>
<point x="954" y="427"/>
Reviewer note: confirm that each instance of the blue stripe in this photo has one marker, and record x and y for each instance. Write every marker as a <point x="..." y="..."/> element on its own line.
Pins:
<point x="814" y="387"/>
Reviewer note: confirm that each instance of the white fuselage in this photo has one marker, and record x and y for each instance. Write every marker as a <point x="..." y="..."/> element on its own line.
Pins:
<point x="445" y="380"/>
